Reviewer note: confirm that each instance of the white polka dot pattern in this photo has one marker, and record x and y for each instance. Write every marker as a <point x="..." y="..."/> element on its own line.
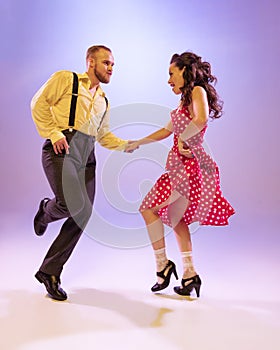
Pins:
<point x="195" y="179"/>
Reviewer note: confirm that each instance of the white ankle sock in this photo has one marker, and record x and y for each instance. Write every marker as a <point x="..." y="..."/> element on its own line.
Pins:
<point x="161" y="261"/>
<point x="188" y="266"/>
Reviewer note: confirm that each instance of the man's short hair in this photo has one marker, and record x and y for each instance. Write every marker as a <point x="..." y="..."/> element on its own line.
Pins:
<point x="93" y="49"/>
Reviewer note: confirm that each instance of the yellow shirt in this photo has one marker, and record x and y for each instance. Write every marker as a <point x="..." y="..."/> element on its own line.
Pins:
<point x="50" y="108"/>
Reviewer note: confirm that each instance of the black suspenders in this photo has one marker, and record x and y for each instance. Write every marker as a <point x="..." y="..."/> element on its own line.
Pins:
<point x="74" y="103"/>
<point x="107" y="103"/>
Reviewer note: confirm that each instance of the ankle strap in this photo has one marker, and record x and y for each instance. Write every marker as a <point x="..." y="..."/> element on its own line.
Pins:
<point x="161" y="273"/>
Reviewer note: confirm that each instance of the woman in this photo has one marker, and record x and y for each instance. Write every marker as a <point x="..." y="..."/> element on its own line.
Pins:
<point x="189" y="190"/>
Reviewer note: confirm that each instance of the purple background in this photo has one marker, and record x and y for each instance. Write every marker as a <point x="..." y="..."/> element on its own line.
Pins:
<point x="239" y="38"/>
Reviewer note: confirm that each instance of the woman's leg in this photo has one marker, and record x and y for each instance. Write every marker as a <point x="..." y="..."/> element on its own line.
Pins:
<point x="156" y="233"/>
<point x="155" y="228"/>
<point x="183" y="237"/>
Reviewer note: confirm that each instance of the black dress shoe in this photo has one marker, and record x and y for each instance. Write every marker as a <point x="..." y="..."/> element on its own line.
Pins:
<point x="52" y="284"/>
<point x="39" y="226"/>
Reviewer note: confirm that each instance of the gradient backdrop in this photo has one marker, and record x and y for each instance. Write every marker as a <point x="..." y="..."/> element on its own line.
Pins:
<point x="239" y="38"/>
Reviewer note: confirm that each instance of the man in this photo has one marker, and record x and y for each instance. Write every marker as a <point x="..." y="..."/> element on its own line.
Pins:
<point x="68" y="155"/>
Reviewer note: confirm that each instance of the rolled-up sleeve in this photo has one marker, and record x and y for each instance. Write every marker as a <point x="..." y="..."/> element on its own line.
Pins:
<point x="108" y="139"/>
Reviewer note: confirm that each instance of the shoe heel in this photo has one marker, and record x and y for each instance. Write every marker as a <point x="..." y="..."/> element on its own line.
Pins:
<point x="197" y="289"/>
<point x="186" y="289"/>
<point x="175" y="273"/>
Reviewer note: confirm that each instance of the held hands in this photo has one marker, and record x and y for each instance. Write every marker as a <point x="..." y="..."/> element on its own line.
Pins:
<point x="131" y="146"/>
<point x="61" y="146"/>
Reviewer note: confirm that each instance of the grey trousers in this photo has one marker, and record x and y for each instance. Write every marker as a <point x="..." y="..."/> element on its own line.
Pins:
<point x="72" y="180"/>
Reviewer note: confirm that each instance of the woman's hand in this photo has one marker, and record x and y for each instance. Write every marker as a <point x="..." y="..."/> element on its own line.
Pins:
<point x="184" y="149"/>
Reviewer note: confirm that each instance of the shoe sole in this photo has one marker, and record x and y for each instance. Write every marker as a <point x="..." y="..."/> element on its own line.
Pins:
<point x="36" y="221"/>
<point x="37" y="276"/>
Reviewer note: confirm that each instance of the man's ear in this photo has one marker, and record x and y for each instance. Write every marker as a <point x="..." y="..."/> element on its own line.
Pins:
<point x="91" y="62"/>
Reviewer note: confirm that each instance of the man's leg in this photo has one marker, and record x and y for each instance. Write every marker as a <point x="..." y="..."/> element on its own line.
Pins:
<point x="62" y="174"/>
<point x="74" y="187"/>
<point x="72" y="228"/>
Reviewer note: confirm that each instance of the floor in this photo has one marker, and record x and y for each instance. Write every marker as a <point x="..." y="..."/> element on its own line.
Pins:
<point x="110" y="305"/>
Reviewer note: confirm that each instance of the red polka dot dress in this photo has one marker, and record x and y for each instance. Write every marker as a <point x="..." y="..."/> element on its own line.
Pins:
<point x="190" y="187"/>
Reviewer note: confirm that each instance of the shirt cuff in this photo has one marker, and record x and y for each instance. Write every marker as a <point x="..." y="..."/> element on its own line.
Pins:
<point x="55" y="136"/>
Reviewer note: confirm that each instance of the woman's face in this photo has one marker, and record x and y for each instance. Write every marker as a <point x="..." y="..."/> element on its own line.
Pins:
<point x="176" y="80"/>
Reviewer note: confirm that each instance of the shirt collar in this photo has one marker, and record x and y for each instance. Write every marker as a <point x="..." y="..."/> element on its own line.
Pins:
<point x="84" y="76"/>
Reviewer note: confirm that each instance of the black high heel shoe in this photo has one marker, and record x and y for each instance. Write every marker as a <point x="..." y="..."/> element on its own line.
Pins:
<point x="165" y="274"/>
<point x="185" y="289"/>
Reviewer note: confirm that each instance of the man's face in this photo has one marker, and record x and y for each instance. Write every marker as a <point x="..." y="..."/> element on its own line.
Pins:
<point x="103" y="65"/>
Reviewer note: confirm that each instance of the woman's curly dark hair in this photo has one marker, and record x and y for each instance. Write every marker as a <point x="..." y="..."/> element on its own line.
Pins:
<point x="198" y="73"/>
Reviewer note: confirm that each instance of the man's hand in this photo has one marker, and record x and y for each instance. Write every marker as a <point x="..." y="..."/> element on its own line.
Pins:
<point x="61" y="146"/>
<point x="131" y="146"/>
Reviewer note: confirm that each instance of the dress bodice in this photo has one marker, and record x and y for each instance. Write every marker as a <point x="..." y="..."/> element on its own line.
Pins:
<point x="180" y="119"/>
